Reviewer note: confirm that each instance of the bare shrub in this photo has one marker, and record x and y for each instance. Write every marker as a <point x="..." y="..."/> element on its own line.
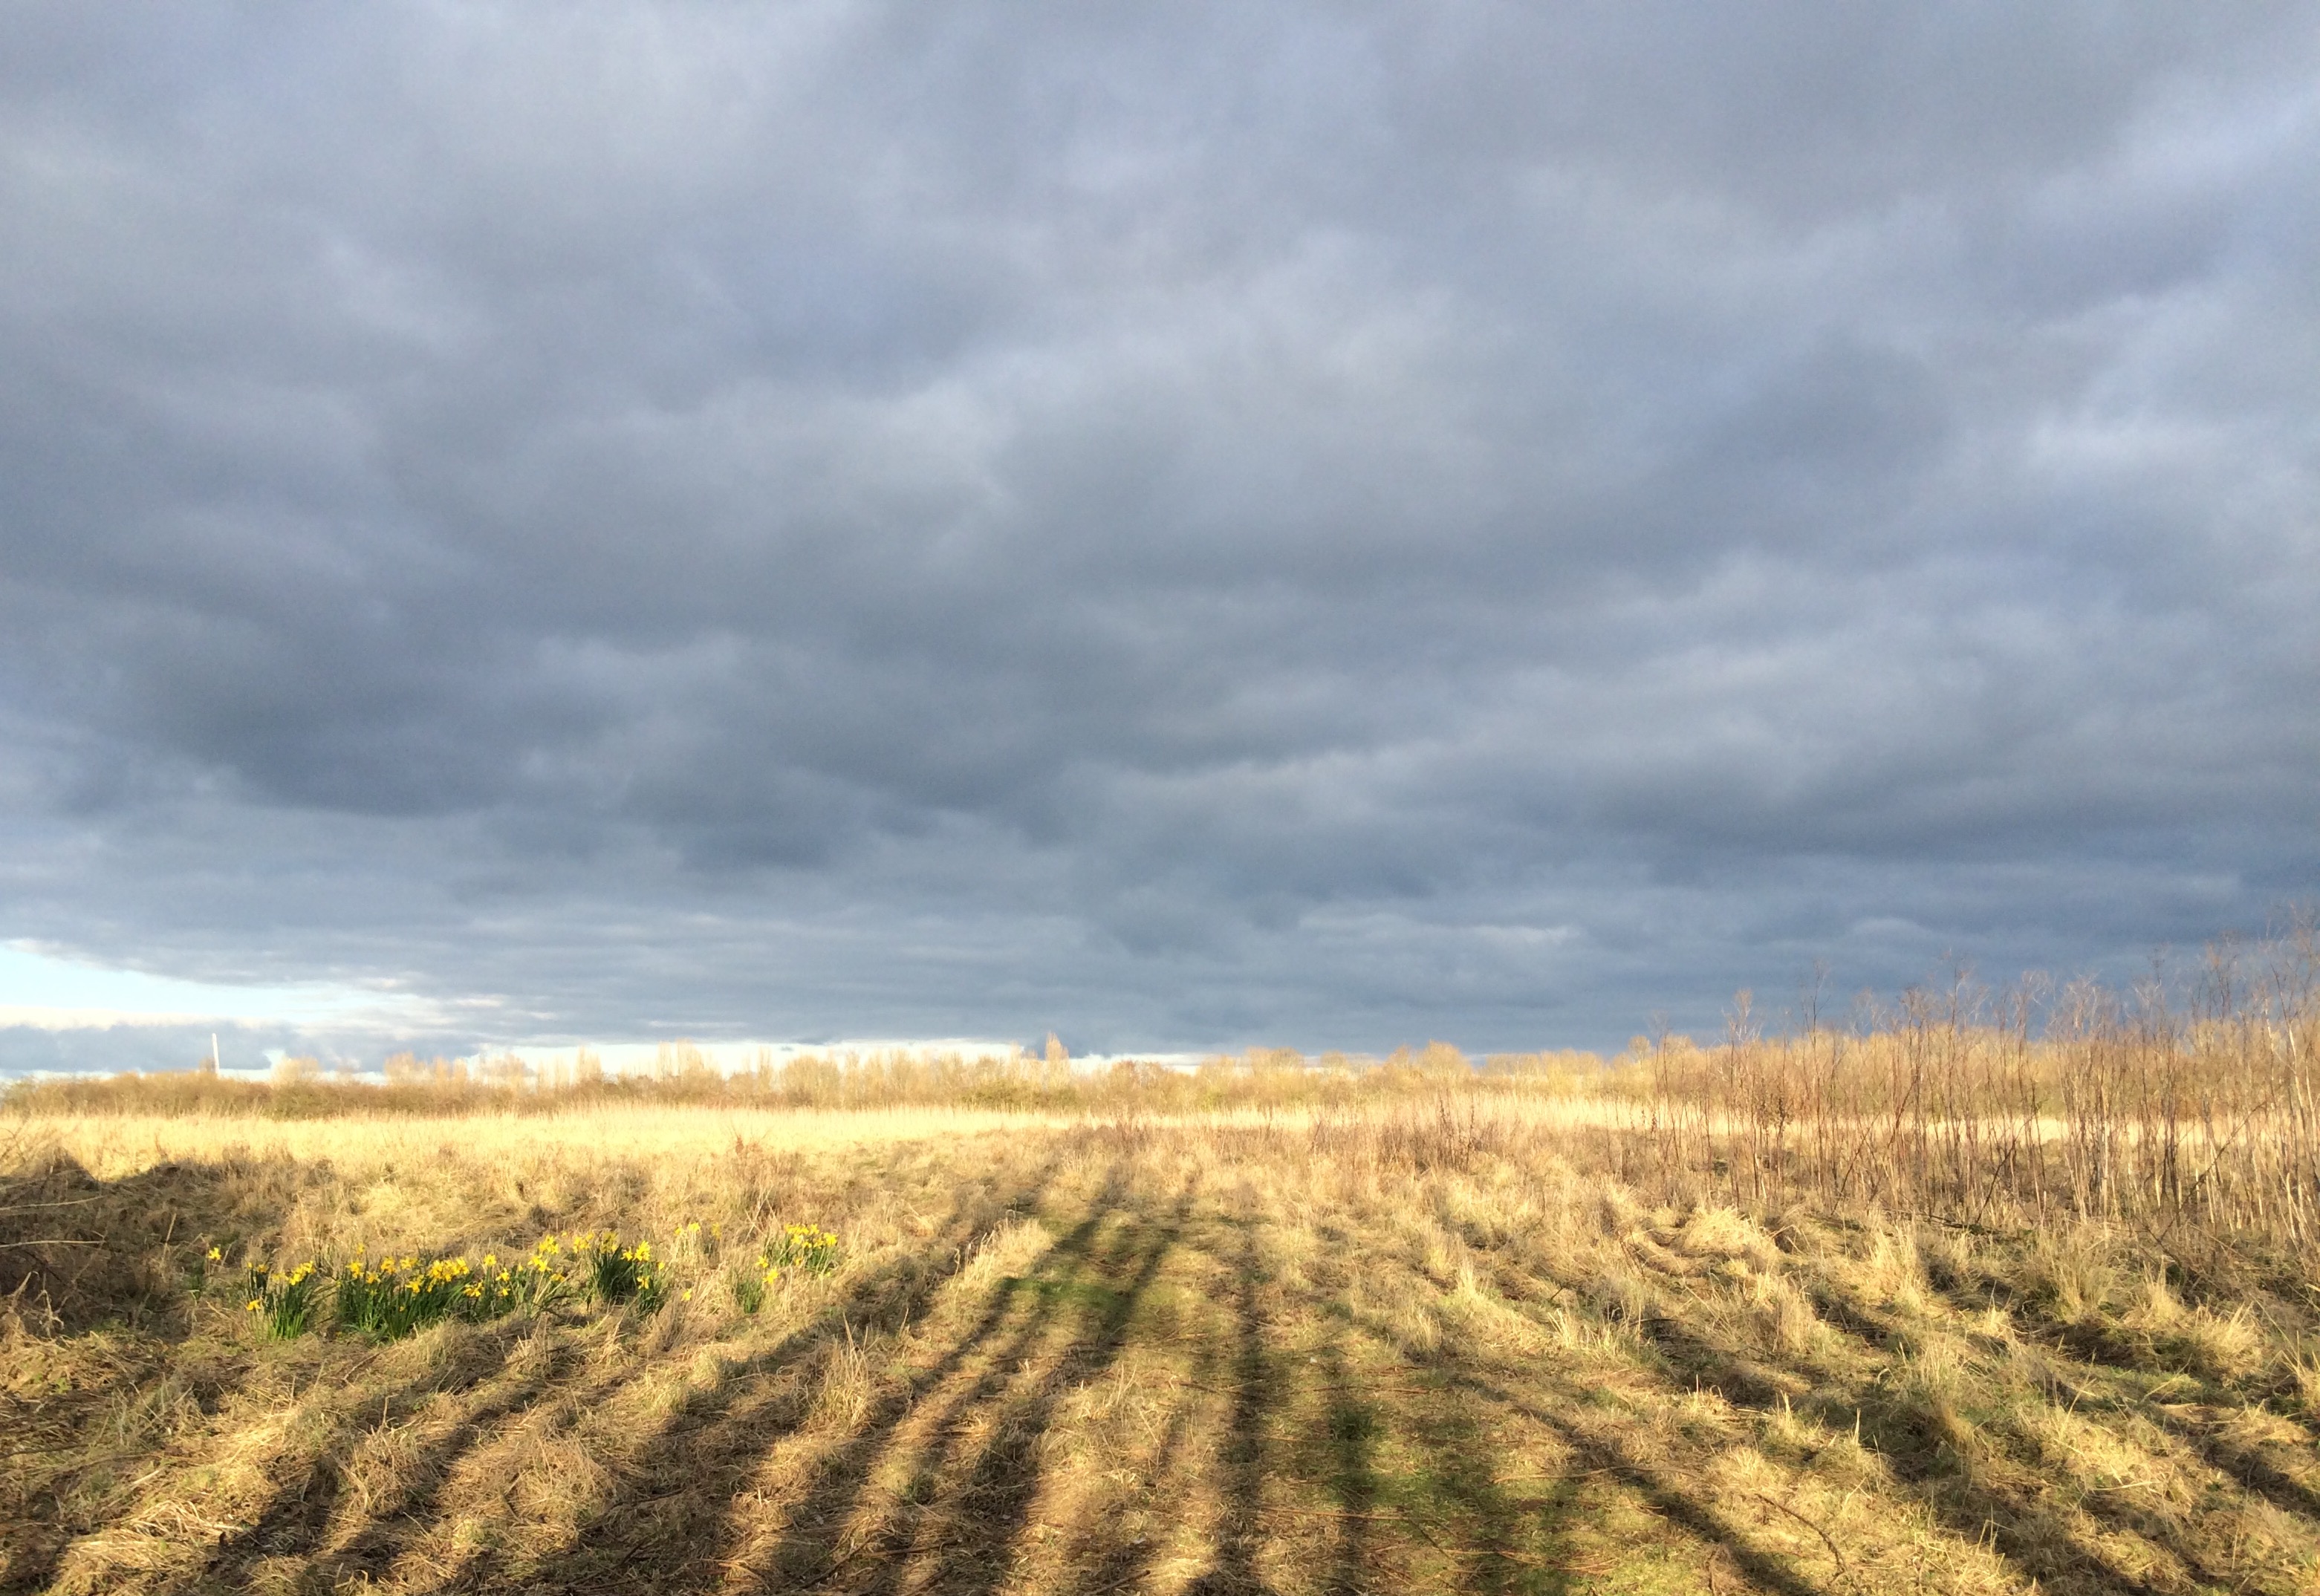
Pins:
<point x="2037" y="1107"/>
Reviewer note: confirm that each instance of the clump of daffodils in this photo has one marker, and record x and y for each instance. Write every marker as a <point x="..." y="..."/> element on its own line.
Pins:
<point x="396" y="1296"/>
<point x="695" y="1242"/>
<point x="749" y="1286"/>
<point x="285" y="1302"/>
<point x="399" y="1296"/>
<point x="617" y="1274"/>
<point x="804" y="1249"/>
<point x="808" y="1248"/>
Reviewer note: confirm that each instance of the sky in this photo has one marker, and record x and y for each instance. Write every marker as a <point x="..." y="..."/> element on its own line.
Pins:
<point x="1325" y="526"/>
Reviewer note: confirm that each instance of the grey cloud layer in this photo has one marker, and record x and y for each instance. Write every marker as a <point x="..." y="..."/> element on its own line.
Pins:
<point x="1316" y="523"/>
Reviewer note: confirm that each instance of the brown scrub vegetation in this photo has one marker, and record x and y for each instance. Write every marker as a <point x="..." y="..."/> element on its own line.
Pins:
<point x="1941" y="1307"/>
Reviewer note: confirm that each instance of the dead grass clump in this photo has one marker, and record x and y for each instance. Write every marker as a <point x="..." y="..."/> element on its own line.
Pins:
<point x="1948" y="1255"/>
<point x="2072" y="1271"/>
<point x="2153" y="1307"/>
<point x="1893" y="1275"/>
<point x="847" y="1386"/>
<point x="1932" y="1378"/>
<point x="2089" y="1454"/>
<point x="1789" y="1325"/>
<point x="2227" y="1345"/>
<point x="1623" y="1299"/>
<point x="2304" y="1377"/>
<point x="1728" y="1234"/>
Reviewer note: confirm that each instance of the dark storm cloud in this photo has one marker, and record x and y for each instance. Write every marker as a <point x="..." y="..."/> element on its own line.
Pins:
<point x="1322" y="524"/>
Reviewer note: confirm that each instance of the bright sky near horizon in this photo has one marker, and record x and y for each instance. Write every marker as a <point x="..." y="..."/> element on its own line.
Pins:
<point x="42" y="991"/>
<point x="1268" y="522"/>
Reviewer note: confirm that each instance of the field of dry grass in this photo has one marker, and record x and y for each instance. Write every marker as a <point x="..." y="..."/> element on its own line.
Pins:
<point x="112" y="1145"/>
<point x="1440" y="1343"/>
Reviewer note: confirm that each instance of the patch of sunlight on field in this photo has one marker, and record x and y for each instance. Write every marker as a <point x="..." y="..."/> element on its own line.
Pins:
<point x="110" y="1146"/>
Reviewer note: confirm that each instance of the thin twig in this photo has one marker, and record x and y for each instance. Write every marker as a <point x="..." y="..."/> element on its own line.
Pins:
<point x="1807" y="1523"/>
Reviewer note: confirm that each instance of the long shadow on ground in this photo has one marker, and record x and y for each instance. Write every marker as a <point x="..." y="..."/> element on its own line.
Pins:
<point x="295" y="1523"/>
<point x="692" y="1537"/>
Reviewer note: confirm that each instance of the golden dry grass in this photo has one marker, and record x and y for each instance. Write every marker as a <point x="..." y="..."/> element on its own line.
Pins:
<point x="111" y="1146"/>
<point x="1436" y="1346"/>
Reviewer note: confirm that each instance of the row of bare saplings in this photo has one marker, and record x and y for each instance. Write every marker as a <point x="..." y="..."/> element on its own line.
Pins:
<point x="2105" y="1108"/>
